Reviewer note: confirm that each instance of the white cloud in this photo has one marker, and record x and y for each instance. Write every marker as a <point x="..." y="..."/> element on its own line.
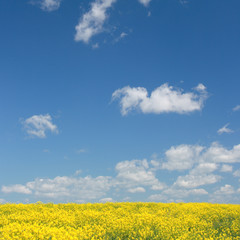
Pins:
<point x="218" y="154"/>
<point x="182" y="193"/>
<point x="236" y="173"/>
<point x="192" y="180"/>
<point x="82" y="150"/>
<point x="175" y="194"/>
<point x="136" y="173"/>
<point x="95" y="46"/>
<point x="145" y="2"/>
<point x="137" y="190"/>
<point x="2" y="200"/>
<point x="198" y="176"/>
<point x="18" y="188"/>
<point x="200" y="88"/>
<point x="225" y="129"/>
<point x="226" y="168"/>
<point x="226" y="194"/>
<point x="140" y="176"/>
<point x="158" y="186"/>
<point x="37" y="125"/>
<point x="204" y="168"/>
<point x="157" y="197"/>
<point x="181" y="157"/>
<point x="225" y="190"/>
<point x="48" y="5"/>
<point x="122" y="35"/>
<point x="104" y="200"/>
<point x="92" y="22"/>
<point x="79" y="187"/>
<point x="236" y="108"/>
<point x="163" y="99"/>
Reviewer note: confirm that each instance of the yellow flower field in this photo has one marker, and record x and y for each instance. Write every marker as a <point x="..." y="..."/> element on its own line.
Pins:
<point x="120" y="221"/>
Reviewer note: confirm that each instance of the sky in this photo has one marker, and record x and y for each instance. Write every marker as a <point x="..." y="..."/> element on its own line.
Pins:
<point x="119" y="100"/>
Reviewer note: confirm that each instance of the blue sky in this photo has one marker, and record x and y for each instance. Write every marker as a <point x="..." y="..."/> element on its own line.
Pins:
<point x="112" y="100"/>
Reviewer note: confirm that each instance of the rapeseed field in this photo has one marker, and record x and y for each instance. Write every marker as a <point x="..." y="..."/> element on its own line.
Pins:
<point x="119" y="221"/>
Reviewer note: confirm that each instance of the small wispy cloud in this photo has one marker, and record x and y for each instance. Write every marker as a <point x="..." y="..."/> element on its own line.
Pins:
<point x="82" y="150"/>
<point x="47" y="5"/>
<point x="145" y="2"/>
<point x="225" y="129"/>
<point x="184" y="2"/>
<point x="95" y="46"/>
<point x="120" y="37"/>
<point x="237" y="108"/>
<point x="38" y="125"/>
<point x="163" y="99"/>
<point x="92" y="22"/>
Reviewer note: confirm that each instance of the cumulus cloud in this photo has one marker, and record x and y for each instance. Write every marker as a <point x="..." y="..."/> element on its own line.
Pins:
<point x="227" y="189"/>
<point x="145" y="2"/>
<point x="203" y="165"/>
<point x="198" y="176"/>
<point x="137" y="190"/>
<point x="218" y="154"/>
<point x="136" y="173"/>
<point x="225" y="129"/>
<point x="104" y="200"/>
<point x="71" y="188"/>
<point x="92" y="22"/>
<point x="225" y="194"/>
<point x="172" y="194"/>
<point x="48" y="5"/>
<point x="226" y="168"/>
<point x="236" y="173"/>
<point x="38" y="125"/>
<point x="181" y="157"/>
<point x="163" y="99"/>
<point x="86" y="188"/>
<point x="18" y="188"/>
<point x="236" y="108"/>
<point x="132" y="176"/>
<point x="192" y="180"/>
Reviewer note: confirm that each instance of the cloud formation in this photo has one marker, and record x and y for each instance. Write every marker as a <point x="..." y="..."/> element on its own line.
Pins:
<point x="225" y="129"/>
<point x="145" y="2"/>
<point x="75" y="188"/>
<point x="164" y="99"/>
<point x="226" y="168"/>
<point x="237" y="108"/>
<point x="174" y="194"/>
<point x="18" y="188"/>
<point x="181" y="157"/>
<point x="47" y="5"/>
<point x="196" y="167"/>
<point x="38" y="125"/>
<point x="136" y="173"/>
<point x="91" y="23"/>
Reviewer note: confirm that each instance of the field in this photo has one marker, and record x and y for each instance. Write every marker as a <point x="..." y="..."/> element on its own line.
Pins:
<point x="119" y="221"/>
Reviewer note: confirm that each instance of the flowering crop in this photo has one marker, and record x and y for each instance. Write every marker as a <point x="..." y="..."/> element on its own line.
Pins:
<point x="119" y="221"/>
